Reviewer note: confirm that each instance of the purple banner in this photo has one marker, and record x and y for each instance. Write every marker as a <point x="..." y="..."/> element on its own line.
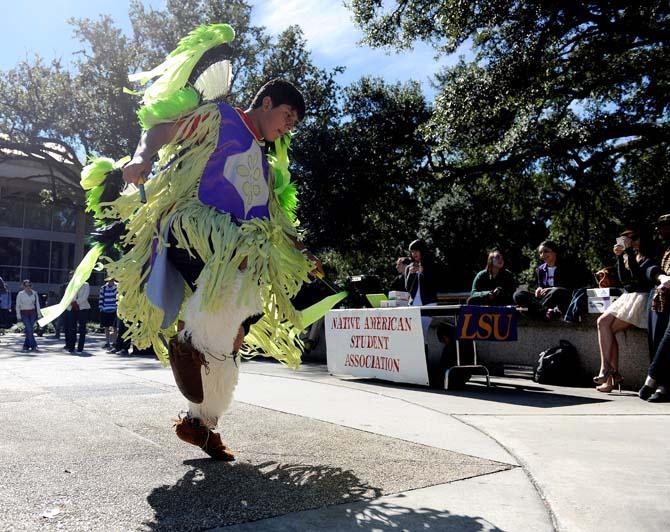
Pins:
<point x="488" y="324"/>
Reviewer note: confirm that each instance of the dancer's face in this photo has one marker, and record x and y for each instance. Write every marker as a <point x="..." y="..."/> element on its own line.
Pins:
<point x="276" y="121"/>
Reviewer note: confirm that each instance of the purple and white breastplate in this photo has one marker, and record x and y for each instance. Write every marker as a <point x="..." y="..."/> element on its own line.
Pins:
<point x="235" y="179"/>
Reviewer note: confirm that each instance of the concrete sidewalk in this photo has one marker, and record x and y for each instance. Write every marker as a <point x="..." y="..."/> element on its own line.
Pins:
<point x="88" y="444"/>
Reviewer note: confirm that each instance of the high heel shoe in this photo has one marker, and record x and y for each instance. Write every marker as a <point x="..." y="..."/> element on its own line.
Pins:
<point x="602" y="377"/>
<point x="613" y="379"/>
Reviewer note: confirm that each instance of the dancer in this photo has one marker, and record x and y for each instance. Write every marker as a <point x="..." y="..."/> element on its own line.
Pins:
<point x="213" y="257"/>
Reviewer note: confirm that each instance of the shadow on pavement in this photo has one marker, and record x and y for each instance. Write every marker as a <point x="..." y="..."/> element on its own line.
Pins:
<point x="215" y="494"/>
<point x="522" y="395"/>
<point x="385" y="515"/>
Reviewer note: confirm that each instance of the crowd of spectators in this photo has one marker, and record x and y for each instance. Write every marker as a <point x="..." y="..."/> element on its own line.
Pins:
<point x="642" y="275"/>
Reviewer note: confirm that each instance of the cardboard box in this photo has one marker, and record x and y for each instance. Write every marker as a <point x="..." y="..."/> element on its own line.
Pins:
<point x="391" y="303"/>
<point x="603" y="292"/>
<point x="598" y="305"/>
<point x="396" y="294"/>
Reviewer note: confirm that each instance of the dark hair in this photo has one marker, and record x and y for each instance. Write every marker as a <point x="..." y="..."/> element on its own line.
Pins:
<point x="549" y="244"/>
<point x="281" y="92"/>
<point x="646" y="244"/>
<point x="418" y="245"/>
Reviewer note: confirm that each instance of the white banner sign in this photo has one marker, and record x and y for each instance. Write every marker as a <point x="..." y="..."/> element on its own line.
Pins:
<point x="377" y="343"/>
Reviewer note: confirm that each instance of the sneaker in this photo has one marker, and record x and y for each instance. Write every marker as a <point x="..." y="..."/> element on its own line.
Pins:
<point x="124" y="352"/>
<point x="193" y="432"/>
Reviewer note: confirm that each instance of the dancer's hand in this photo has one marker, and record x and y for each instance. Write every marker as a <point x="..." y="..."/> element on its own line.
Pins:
<point x="136" y="171"/>
<point x="318" y="267"/>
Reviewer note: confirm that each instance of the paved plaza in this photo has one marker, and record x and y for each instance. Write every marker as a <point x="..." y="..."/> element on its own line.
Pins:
<point x="88" y="444"/>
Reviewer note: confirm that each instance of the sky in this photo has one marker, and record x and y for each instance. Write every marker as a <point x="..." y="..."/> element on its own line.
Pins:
<point x="40" y="26"/>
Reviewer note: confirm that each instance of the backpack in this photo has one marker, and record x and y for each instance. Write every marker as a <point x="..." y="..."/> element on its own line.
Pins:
<point x="557" y="365"/>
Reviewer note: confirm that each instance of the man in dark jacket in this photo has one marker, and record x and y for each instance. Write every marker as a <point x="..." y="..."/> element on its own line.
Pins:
<point x="657" y="385"/>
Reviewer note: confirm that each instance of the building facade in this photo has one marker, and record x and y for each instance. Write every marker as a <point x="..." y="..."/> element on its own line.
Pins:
<point x="42" y="223"/>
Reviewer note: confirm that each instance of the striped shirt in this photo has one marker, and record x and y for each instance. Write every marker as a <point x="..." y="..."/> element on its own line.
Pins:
<point x="107" y="301"/>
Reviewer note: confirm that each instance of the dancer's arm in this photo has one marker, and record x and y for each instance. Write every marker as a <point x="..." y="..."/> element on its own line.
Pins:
<point x="151" y="141"/>
<point x="318" y="267"/>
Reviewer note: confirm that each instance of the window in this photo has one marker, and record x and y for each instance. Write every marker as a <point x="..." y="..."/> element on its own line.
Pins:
<point x="38" y="216"/>
<point x="10" y="251"/>
<point x="9" y="273"/>
<point x="64" y="219"/>
<point x="58" y="276"/>
<point x="11" y="212"/>
<point x="62" y="255"/>
<point x="36" y="275"/>
<point x="36" y="253"/>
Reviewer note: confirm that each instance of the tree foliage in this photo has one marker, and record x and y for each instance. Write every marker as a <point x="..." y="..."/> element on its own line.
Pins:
<point x="574" y="93"/>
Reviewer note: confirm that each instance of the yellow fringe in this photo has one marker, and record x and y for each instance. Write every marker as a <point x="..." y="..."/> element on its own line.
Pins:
<point x="274" y="266"/>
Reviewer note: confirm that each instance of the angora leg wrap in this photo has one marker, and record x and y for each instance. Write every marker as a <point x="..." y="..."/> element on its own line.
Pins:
<point x="213" y="335"/>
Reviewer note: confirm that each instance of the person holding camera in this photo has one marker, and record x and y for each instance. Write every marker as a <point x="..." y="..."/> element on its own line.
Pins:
<point x="494" y="285"/>
<point x="420" y="275"/>
<point x="634" y="266"/>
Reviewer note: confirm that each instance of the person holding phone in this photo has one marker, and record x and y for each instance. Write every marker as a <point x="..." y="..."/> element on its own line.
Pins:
<point x="634" y="266"/>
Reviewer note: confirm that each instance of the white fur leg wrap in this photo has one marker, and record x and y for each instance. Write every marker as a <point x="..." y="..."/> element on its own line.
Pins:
<point x="213" y="334"/>
<point x="218" y="384"/>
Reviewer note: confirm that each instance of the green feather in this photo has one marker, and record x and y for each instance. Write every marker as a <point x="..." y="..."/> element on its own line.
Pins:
<point x="206" y="36"/>
<point x="168" y="109"/>
<point x="286" y="192"/>
<point x="95" y="171"/>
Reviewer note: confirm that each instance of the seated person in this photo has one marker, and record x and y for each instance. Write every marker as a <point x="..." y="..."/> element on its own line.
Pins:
<point x="630" y="309"/>
<point x="554" y="285"/>
<point x="494" y="285"/>
<point x="398" y="284"/>
<point x="656" y="387"/>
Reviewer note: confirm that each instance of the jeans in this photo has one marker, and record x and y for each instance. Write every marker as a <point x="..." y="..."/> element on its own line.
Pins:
<point x="29" y="319"/>
<point x="659" y="369"/>
<point x="75" y="321"/>
<point x="555" y="297"/>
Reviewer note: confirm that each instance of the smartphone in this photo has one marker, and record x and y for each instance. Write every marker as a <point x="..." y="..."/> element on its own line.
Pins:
<point x="621" y="241"/>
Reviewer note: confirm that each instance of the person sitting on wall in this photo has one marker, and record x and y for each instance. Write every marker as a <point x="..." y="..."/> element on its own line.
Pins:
<point x="494" y="285"/>
<point x="554" y="285"/>
<point x="630" y="309"/>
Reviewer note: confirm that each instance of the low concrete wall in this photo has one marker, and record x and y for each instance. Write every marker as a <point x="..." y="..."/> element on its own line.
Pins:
<point x="534" y="336"/>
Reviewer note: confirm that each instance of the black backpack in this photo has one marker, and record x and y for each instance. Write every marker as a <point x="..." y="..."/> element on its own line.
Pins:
<point x="557" y="365"/>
